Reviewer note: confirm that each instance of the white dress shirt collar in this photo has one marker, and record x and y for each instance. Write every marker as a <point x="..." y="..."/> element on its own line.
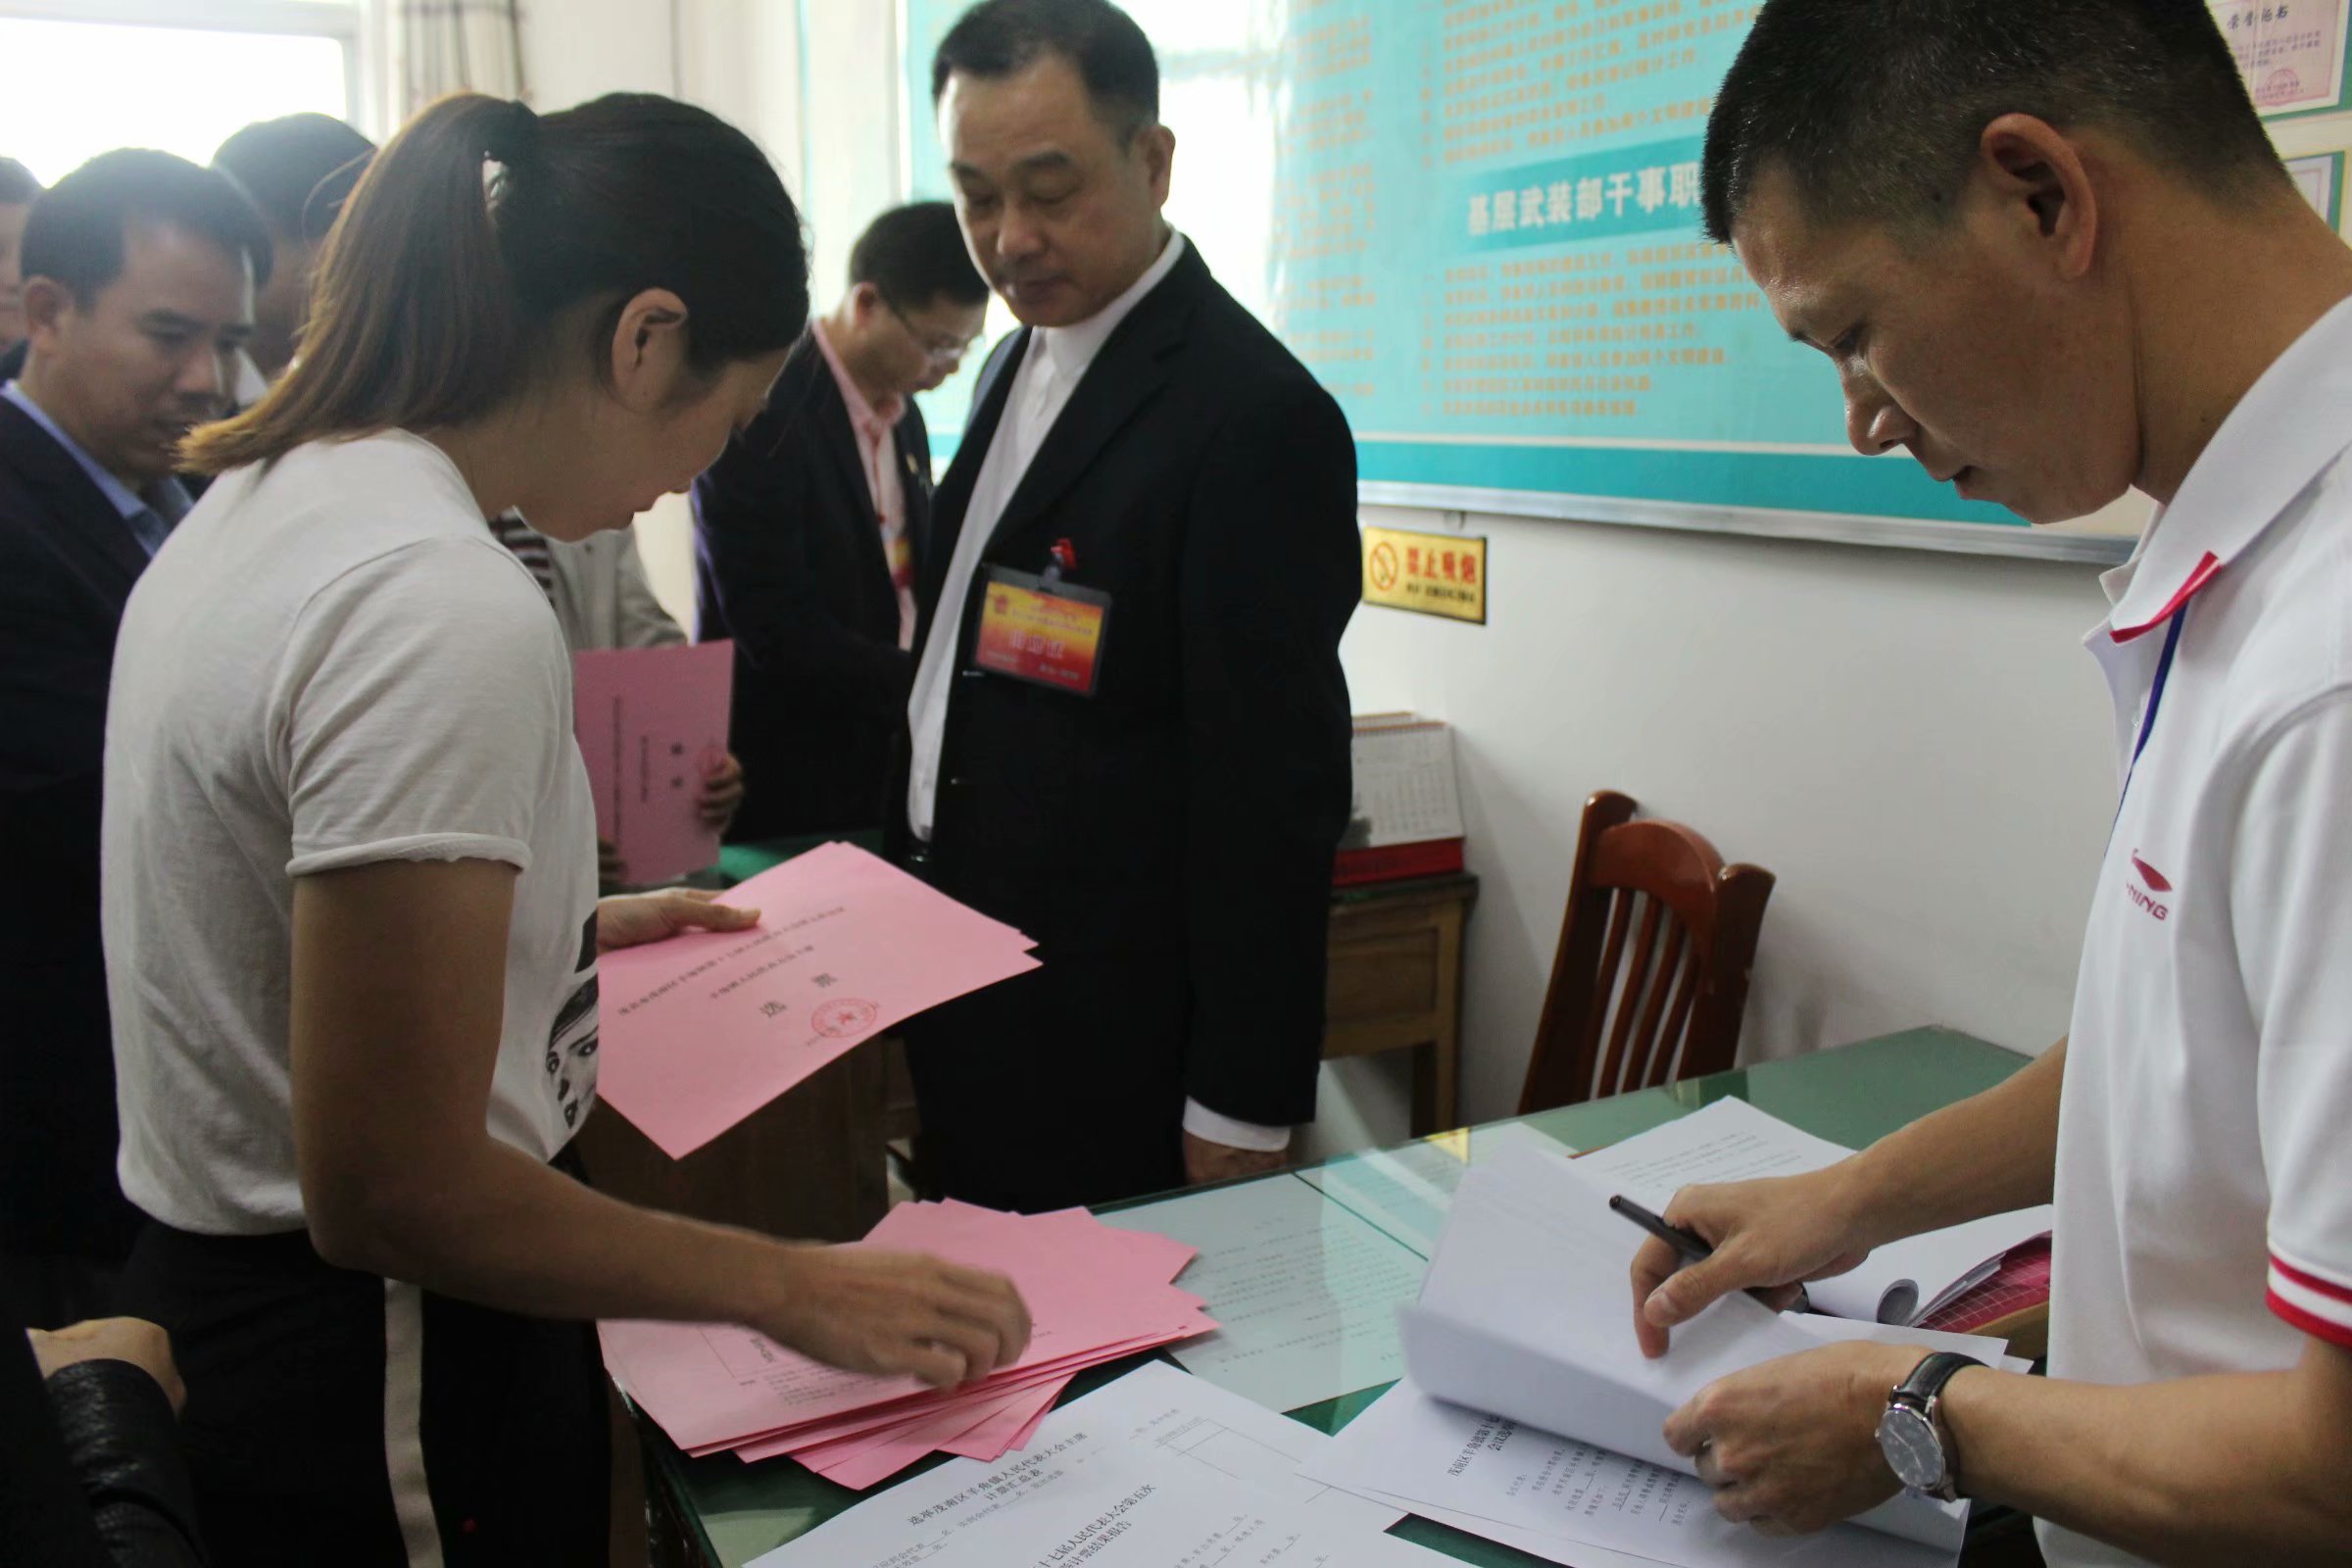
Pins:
<point x="1072" y="349"/>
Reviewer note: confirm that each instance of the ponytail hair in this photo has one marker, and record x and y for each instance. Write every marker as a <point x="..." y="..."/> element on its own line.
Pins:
<point x="480" y="228"/>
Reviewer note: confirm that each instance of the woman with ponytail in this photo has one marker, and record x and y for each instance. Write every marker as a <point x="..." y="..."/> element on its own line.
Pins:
<point x="350" y="861"/>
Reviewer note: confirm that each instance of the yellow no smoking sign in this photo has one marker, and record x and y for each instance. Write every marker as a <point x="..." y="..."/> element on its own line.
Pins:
<point x="1433" y="574"/>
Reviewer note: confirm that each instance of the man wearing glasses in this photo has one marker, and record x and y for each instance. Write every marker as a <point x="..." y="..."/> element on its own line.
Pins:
<point x="808" y="532"/>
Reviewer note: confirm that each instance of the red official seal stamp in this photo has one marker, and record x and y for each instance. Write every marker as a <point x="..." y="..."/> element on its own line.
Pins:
<point x="838" y="1020"/>
<point x="2280" y="86"/>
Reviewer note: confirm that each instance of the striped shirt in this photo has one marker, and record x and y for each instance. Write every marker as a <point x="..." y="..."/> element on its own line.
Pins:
<point x="529" y="546"/>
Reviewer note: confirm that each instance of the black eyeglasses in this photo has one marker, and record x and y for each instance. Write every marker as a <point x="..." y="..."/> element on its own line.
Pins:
<point x="940" y="346"/>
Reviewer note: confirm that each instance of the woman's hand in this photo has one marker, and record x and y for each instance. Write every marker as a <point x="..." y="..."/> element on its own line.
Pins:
<point x="110" y="1339"/>
<point x="722" y="791"/>
<point x="865" y="1310"/>
<point x="636" y="918"/>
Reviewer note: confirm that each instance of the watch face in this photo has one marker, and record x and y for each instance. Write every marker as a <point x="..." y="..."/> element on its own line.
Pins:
<point x="1913" y="1453"/>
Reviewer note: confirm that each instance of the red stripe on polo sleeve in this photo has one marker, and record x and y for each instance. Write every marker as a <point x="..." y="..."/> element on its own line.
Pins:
<point x="2319" y="1307"/>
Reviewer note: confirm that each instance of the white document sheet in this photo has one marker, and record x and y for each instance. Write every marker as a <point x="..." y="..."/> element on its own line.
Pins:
<point x="1732" y="1141"/>
<point x="1159" y="1408"/>
<point x="1406" y="1190"/>
<point x="1305" y="1291"/>
<point x="1556" y="1548"/>
<point x="1480" y="1472"/>
<point x="1219" y="1470"/>
<point x="1527" y="1312"/>
<point x="1147" y="1511"/>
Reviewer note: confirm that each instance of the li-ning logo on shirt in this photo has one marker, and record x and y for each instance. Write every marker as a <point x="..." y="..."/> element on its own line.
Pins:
<point x="2156" y="883"/>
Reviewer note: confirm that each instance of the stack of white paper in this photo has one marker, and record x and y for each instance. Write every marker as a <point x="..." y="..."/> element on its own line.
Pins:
<point x="1530" y="1416"/>
<point x="1732" y="1141"/>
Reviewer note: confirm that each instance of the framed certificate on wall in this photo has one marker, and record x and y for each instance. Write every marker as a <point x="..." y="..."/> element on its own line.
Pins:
<point x="2291" y="52"/>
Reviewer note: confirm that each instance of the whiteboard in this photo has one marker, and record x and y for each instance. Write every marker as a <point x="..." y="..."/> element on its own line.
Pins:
<point x="1477" y="222"/>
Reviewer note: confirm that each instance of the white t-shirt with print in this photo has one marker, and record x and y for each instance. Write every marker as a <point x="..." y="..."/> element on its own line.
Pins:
<point x="331" y="663"/>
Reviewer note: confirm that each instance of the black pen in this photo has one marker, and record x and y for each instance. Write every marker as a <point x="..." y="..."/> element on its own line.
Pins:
<point x="1690" y="1245"/>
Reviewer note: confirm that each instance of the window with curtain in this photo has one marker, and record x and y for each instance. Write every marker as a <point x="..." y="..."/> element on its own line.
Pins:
<point x="445" y="46"/>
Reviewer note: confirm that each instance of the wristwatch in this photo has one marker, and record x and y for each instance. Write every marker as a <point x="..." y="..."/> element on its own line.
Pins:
<point x="1912" y="1434"/>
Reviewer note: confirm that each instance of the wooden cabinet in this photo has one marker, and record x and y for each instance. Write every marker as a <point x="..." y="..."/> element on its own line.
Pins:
<point x="809" y="1163"/>
<point x="1396" y="984"/>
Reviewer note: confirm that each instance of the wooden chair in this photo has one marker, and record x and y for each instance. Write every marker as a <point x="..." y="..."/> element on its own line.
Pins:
<point x="1653" y="962"/>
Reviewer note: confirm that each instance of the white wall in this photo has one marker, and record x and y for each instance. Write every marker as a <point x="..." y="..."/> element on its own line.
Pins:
<point x="1915" y="744"/>
<point x="574" y="50"/>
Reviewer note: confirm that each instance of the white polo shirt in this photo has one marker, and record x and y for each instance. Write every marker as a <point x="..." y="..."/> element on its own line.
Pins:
<point x="2205" y="1134"/>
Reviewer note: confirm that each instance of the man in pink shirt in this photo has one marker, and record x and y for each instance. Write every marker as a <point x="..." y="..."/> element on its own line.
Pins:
<point x="809" y="530"/>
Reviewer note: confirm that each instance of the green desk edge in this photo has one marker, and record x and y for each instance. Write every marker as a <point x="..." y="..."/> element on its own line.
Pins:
<point x="1854" y="1095"/>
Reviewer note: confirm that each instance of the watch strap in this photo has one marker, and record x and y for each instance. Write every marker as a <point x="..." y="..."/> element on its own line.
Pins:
<point x="1927" y="1380"/>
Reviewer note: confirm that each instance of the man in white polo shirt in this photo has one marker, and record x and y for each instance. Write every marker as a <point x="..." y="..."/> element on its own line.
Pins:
<point x="2052" y="255"/>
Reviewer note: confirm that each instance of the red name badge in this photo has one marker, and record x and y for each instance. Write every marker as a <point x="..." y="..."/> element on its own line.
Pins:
<point x="1049" y="634"/>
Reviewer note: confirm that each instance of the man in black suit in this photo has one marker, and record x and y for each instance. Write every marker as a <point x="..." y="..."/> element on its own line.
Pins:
<point x="1129" y="725"/>
<point x="139" y="278"/>
<point x="808" y="531"/>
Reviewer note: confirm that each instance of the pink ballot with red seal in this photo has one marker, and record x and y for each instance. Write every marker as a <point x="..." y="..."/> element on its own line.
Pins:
<point x="652" y="722"/>
<point x="704" y="1029"/>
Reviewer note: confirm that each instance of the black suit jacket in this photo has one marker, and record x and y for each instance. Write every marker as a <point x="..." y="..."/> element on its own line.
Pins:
<point x="68" y="562"/>
<point x="789" y="562"/>
<point x="1168" y="840"/>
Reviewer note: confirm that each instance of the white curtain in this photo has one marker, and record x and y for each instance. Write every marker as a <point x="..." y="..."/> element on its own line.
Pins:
<point x="445" y="46"/>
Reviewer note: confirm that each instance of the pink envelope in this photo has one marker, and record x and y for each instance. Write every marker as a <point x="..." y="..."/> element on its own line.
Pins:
<point x="881" y="1418"/>
<point x="1093" y="1294"/>
<point x="1010" y="1427"/>
<point x="795" y="1440"/>
<point x="860" y="1462"/>
<point x="650" y="721"/>
<point x="770" y="1441"/>
<point x="700" y="1031"/>
<point x="1023" y="1410"/>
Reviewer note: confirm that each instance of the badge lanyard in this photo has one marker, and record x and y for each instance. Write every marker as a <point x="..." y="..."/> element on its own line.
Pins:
<point x="2147" y="722"/>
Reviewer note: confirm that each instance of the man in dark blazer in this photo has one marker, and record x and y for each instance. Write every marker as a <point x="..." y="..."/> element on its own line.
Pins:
<point x="810" y="527"/>
<point x="139" y="278"/>
<point x="1148" y="474"/>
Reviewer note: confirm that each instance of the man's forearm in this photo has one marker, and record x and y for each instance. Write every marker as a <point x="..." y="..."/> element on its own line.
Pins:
<point x="1989" y="1153"/>
<point x="2226" y="1470"/>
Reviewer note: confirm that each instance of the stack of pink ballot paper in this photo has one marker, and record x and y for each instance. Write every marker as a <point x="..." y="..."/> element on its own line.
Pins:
<point x="1095" y="1295"/>
<point x="704" y="1029"/>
